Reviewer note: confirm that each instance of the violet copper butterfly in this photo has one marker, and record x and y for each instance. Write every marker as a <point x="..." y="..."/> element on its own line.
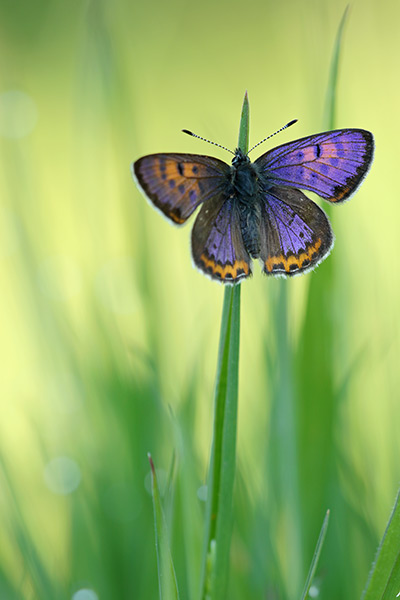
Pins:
<point x="256" y="209"/>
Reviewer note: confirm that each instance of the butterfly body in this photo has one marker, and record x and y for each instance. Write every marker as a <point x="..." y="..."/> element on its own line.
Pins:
<point x="256" y="210"/>
<point x="244" y="192"/>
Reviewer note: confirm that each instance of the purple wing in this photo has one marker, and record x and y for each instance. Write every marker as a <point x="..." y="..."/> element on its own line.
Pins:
<point x="177" y="183"/>
<point x="331" y="164"/>
<point x="295" y="233"/>
<point x="217" y="243"/>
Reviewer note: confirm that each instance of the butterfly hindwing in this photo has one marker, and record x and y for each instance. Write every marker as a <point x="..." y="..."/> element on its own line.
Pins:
<point x="217" y="243"/>
<point x="295" y="233"/>
<point x="331" y="164"/>
<point x="178" y="183"/>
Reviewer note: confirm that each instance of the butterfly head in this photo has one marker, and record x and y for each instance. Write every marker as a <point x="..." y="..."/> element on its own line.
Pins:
<point x="240" y="158"/>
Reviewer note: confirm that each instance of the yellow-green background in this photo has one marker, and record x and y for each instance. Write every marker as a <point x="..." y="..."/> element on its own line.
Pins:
<point x="108" y="336"/>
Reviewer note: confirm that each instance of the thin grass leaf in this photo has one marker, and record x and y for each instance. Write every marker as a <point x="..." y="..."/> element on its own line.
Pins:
<point x="223" y="454"/>
<point x="282" y="462"/>
<point x="315" y="559"/>
<point x="317" y="395"/>
<point x="168" y="586"/>
<point x="330" y="100"/>
<point x="188" y="550"/>
<point x="243" y="142"/>
<point x="384" y="580"/>
<point x="222" y="467"/>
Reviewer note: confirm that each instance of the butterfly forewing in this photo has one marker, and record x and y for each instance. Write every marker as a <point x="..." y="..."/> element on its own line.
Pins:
<point x="331" y="164"/>
<point x="217" y="243"/>
<point x="178" y="183"/>
<point x="295" y="233"/>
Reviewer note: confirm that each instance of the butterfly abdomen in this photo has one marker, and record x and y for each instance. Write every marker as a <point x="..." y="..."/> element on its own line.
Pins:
<point x="250" y="216"/>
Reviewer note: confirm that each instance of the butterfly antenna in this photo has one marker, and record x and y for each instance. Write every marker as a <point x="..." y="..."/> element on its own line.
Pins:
<point x="205" y="140"/>
<point x="272" y="134"/>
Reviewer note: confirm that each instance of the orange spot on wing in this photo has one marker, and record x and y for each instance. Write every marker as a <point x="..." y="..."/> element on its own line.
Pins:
<point x="175" y="169"/>
<point x="175" y="218"/>
<point x="238" y="270"/>
<point x="340" y="194"/>
<point x="329" y="150"/>
<point x="166" y="170"/>
<point x="308" y="154"/>
<point x="187" y="170"/>
<point x="292" y="259"/>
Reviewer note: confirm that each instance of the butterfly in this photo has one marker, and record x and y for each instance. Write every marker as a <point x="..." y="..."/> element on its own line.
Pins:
<point x="256" y="210"/>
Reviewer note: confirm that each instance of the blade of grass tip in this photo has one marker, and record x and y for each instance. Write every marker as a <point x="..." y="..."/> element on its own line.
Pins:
<point x="243" y="142"/>
<point x="166" y="573"/>
<point x="317" y="553"/>
<point x="384" y="579"/>
<point x="221" y="476"/>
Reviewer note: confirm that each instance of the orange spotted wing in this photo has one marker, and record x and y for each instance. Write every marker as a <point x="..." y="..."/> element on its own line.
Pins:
<point x="177" y="184"/>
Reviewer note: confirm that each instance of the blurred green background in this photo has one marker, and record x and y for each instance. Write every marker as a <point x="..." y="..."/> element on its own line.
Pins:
<point x="109" y="336"/>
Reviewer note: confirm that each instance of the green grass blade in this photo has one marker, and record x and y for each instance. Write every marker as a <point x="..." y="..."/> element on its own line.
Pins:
<point x="223" y="454"/>
<point x="384" y="579"/>
<point x="317" y="553"/>
<point x="330" y="102"/>
<point x="317" y="395"/>
<point x="243" y="142"/>
<point x="166" y="573"/>
<point x="282" y="463"/>
<point x="222" y="465"/>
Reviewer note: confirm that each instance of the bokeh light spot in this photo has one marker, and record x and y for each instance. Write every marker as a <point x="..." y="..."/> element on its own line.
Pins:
<point x="85" y="594"/>
<point x="18" y="114"/>
<point x="313" y="592"/>
<point x="62" y="475"/>
<point x="202" y="493"/>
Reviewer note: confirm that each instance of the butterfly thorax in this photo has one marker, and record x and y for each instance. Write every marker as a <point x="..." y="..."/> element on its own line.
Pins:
<point x="244" y="181"/>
